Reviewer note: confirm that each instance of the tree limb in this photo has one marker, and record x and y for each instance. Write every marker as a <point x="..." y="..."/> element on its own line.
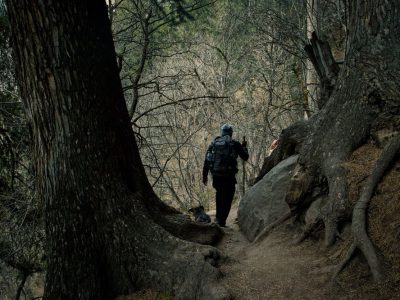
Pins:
<point x="173" y="103"/>
<point x="21" y="285"/>
<point x="264" y="233"/>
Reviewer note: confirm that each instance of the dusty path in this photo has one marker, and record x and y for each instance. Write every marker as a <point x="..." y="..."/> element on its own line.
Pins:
<point x="275" y="268"/>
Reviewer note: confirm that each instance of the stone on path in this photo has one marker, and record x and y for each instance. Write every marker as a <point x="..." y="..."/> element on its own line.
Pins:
<point x="264" y="202"/>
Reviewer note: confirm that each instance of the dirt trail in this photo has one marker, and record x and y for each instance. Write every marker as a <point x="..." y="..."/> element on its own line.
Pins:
<point x="275" y="268"/>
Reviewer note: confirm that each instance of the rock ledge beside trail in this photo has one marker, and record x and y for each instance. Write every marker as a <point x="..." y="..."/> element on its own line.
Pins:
<point x="264" y="202"/>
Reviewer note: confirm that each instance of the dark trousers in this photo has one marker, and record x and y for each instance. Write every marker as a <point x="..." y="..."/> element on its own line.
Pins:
<point x="225" y="190"/>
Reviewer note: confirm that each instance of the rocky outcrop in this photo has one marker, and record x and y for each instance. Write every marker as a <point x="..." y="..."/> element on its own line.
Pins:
<point x="264" y="203"/>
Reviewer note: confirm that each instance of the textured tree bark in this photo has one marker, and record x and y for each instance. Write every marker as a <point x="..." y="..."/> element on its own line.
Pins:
<point x="320" y="55"/>
<point x="366" y="91"/>
<point x="102" y="218"/>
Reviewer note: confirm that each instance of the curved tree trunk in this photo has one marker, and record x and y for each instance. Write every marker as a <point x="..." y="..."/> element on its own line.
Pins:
<point x="367" y="90"/>
<point x="102" y="218"/>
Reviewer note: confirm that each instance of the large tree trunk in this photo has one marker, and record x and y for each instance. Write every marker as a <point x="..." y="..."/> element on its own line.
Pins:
<point x="366" y="96"/>
<point x="367" y="88"/>
<point x="102" y="218"/>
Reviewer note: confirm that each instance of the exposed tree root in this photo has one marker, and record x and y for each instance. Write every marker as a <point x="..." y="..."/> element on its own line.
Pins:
<point x="337" y="208"/>
<point x="345" y="261"/>
<point x="182" y="269"/>
<point x="184" y="228"/>
<point x="263" y="234"/>
<point x="361" y="239"/>
<point x="309" y="230"/>
<point x="181" y="225"/>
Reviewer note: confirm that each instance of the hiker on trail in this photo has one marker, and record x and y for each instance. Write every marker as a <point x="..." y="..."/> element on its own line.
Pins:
<point x="221" y="161"/>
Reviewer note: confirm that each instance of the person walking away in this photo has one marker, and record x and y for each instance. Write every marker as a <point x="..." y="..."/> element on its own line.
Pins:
<point x="221" y="161"/>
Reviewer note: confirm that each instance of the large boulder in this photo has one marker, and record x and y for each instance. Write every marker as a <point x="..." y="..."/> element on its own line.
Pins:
<point x="264" y="202"/>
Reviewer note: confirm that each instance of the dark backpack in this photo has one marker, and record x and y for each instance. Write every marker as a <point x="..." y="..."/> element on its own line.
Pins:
<point x="222" y="156"/>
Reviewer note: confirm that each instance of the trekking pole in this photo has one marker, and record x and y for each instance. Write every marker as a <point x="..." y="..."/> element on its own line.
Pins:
<point x="244" y="172"/>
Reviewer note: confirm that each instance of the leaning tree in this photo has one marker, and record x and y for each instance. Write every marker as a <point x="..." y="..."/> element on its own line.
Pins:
<point x="106" y="231"/>
<point x="358" y="101"/>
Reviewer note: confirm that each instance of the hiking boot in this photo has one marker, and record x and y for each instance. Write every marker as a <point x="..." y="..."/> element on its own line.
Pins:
<point x="219" y="223"/>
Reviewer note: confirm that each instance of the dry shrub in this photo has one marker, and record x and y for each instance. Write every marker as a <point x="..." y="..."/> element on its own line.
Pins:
<point x="359" y="167"/>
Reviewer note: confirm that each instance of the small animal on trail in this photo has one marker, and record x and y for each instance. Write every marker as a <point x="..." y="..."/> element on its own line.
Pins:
<point x="200" y="215"/>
